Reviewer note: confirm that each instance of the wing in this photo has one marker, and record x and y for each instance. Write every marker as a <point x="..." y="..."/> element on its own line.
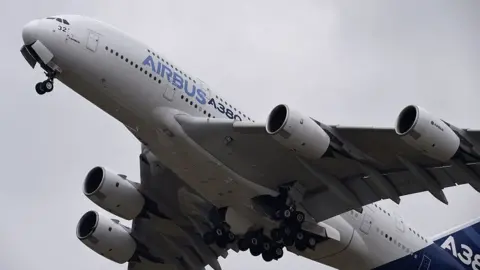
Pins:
<point x="172" y="239"/>
<point x="367" y="164"/>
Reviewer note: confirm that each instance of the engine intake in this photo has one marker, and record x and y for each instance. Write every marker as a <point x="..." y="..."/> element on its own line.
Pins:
<point x="427" y="133"/>
<point x="296" y="132"/>
<point x="106" y="237"/>
<point x="113" y="193"/>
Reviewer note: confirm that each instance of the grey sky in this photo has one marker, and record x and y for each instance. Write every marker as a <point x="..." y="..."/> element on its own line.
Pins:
<point x="342" y="62"/>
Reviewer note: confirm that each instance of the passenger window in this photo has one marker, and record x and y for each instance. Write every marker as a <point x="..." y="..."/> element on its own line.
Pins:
<point x="50" y="18"/>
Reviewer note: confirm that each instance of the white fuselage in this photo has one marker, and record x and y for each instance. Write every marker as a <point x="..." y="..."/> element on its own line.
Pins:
<point x="143" y="90"/>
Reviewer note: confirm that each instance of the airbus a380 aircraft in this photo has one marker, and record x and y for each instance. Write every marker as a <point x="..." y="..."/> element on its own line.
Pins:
<point x="213" y="179"/>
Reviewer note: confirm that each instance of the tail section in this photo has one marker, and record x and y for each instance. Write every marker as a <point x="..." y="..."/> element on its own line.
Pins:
<point x="463" y="243"/>
<point x="454" y="249"/>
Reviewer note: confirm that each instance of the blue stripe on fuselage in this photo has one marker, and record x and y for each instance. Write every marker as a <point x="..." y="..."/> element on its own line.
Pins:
<point x="432" y="257"/>
<point x="459" y="250"/>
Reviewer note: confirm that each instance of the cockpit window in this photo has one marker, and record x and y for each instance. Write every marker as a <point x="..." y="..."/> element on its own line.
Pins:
<point x="60" y="20"/>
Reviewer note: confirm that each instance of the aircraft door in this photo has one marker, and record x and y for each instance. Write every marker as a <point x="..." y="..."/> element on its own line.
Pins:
<point x="169" y="91"/>
<point x="425" y="264"/>
<point x="366" y="223"/>
<point x="92" y="42"/>
<point x="399" y="223"/>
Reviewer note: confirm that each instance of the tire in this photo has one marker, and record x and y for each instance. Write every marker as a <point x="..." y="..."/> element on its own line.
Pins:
<point x="299" y="217"/>
<point x="267" y="256"/>
<point x="266" y="246"/>
<point x="276" y="234"/>
<point x="311" y="242"/>
<point x="231" y="237"/>
<point x="289" y="241"/>
<point x="219" y="232"/>
<point x="222" y="242"/>
<point x="39" y="88"/>
<point x="287" y="231"/>
<point x="243" y="244"/>
<point x="278" y="253"/>
<point x="300" y="236"/>
<point x="47" y="86"/>
<point x="255" y="252"/>
<point x="254" y="242"/>
<point x="301" y="246"/>
<point x="209" y="238"/>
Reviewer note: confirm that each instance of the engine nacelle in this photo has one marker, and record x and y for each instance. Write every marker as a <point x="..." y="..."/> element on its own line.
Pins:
<point x="427" y="133"/>
<point x="113" y="193"/>
<point x="296" y="132"/>
<point x="106" y="237"/>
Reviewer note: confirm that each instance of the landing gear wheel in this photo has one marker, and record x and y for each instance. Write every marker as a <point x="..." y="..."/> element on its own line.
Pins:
<point x="300" y="246"/>
<point x="276" y="235"/>
<point x="299" y="237"/>
<point x="39" y="88"/>
<point x="278" y="253"/>
<point x="254" y="243"/>
<point x="311" y="242"/>
<point x="266" y="246"/>
<point x="255" y="251"/>
<point x="288" y="241"/>
<point x="267" y="256"/>
<point x="209" y="238"/>
<point x="300" y="242"/>
<point x="242" y="244"/>
<point x="287" y="231"/>
<point x="219" y="232"/>
<point x="221" y="242"/>
<point x="299" y="217"/>
<point x="47" y="85"/>
<point x="231" y="237"/>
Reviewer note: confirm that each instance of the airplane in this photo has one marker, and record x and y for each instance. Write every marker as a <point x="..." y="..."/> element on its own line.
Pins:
<point x="288" y="182"/>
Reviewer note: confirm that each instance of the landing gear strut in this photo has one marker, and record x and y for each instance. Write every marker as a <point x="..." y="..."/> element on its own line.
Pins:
<point x="47" y="85"/>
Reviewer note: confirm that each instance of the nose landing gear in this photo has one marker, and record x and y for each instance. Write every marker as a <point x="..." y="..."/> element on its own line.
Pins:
<point x="45" y="86"/>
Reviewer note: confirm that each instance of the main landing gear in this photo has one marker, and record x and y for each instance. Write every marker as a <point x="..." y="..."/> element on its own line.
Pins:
<point x="47" y="85"/>
<point x="256" y="241"/>
<point x="290" y="232"/>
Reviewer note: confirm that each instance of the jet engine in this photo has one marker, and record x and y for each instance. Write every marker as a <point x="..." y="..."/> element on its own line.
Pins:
<point x="106" y="237"/>
<point x="113" y="193"/>
<point x="297" y="132"/>
<point x="427" y="133"/>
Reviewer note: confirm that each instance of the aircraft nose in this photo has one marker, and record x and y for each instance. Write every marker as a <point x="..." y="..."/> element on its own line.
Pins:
<point x="29" y="32"/>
